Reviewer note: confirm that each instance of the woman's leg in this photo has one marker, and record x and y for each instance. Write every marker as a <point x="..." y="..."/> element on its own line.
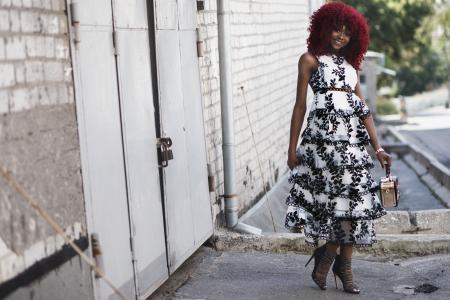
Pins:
<point x="324" y="259"/>
<point x="343" y="268"/>
<point x="332" y="248"/>
<point x="346" y="251"/>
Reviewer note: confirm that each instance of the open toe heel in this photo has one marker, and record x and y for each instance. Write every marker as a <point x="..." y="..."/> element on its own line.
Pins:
<point x="342" y="268"/>
<point x="322" y="264"/>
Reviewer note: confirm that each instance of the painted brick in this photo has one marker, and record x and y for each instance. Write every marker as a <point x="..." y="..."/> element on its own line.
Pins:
<point x="67" y="69"/>
<point x="70" y="94"/>
<point x="14" y="18"/>
<point x="39" y="95"/>
<point x="61" y="48"/>
<point x="63" y="95"/>
<point x="50" y="47"/>
<point x="47" y="95"/>
<point x="63" y="25"/>
<point x="6" y="75"/>
<point x="5" y="3"/>
<point x="57" y="4"/>
<point x="37" y="3"/>
<point x="2" y="48"/>
<point x="50" y="23"/>
<point x="53" y="71"/>
<point x="34" y="71"/>
<point x="26" y="3"/>
<point x="4" y="101"/>
<point x="34" y="90"/>
<point x="30" y="21"/>
<point x="46" y="4"/>
<point x="20" y="72"/>
<point x="4" y="20"/>
<point x="20" y="100"/>
<point x="35" y="46"/>
<point x="15" y="47"/>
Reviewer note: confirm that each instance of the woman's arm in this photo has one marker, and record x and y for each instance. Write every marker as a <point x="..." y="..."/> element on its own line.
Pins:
<point x="306" y="65"/>
<point x="382" y="156"/>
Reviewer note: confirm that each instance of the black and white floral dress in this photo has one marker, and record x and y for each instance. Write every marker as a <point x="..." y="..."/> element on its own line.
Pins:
<point x="333" y="194"/>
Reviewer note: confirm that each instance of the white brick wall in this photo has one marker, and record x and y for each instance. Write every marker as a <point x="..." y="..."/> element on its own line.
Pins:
<point x="34" y="54"/>
<point x="267" y="40"/>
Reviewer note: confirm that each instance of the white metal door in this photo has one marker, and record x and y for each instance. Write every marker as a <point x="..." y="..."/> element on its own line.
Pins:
<point x="103" y="155"/>
<point x="138" y="114"/>
<point x="187" y="207"/>
<point x="117" y="131"/>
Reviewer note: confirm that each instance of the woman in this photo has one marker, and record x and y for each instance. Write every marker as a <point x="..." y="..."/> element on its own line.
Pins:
<point x="334" y="196"/>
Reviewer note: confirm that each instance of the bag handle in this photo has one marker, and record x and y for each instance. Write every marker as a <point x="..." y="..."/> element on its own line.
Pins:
<point x="388" y="169"/>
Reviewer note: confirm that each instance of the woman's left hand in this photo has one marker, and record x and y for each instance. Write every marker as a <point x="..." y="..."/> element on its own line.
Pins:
<point x="384" y="157"/>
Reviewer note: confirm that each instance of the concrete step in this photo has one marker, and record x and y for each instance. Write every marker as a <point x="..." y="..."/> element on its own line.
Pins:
<point x="388" y="245"/>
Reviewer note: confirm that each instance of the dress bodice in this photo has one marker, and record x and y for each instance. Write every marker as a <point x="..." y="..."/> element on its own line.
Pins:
<point x="333" y="71"/>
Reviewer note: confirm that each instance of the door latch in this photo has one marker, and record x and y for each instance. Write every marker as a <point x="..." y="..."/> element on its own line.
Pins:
<point x="166" y="153"/>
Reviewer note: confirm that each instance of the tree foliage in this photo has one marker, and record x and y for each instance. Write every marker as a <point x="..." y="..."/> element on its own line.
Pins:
<point x="406" y="31"/>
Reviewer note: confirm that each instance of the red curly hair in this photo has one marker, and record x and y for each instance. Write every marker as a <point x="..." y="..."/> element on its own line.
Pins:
<point x="334" y="15"/>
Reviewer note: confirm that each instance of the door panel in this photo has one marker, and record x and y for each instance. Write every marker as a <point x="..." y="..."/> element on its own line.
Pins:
<point x="130" y="14"/>
<point x="141" y="158"/>
<point x="119" y="140"/>
<point x="195" y="143"/>
<point x="97" y="74"/>
<point x="187" y="15"/>
<point x="166" y="14"/>
<point x="187" y="207"/>
<point x="95" y="13"/>
<point x="178" y="208"/>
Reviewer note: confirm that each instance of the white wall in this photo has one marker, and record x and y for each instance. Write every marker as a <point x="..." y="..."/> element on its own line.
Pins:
<point x="267" y="40"/>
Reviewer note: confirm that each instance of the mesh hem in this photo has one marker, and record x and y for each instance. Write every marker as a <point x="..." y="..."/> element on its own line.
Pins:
<point x="294" y="229"/>
<point x="354" y="244"/>
<point x="374" y="216"/>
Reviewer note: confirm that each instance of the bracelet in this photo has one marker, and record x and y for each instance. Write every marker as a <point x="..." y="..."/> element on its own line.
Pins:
<point x="379" y="150"/>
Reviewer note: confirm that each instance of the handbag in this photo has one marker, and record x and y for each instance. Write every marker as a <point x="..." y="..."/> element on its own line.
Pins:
<point x="389" y="189"/>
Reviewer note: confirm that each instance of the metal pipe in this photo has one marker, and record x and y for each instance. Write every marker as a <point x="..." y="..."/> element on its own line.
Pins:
<point x="226" y="103"/>
<point x="245" y="228"/>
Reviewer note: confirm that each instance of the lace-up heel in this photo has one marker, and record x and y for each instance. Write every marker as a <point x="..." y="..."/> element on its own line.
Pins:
<point x="322" y="264"/>
<point x="342" y="268"/>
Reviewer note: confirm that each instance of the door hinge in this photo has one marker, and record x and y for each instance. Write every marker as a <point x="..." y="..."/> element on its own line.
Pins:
<point x="97" y="253"/>
<point x="200" y="43"/>
<point x="115" y="42"/>
<point x="75" y="21"/>
<point x="133" y="254"/>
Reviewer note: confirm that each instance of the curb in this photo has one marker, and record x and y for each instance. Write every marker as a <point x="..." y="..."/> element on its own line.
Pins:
<point x="388" y="245"/>
<point x="432" y="221"/>
<point x="434" y="174"/>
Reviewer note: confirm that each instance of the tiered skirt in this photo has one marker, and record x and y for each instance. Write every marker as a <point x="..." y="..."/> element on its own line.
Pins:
<point x="333" y="196"/>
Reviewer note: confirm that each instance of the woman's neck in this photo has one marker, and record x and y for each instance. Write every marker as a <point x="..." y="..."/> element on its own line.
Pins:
<point x="333" y="51"/>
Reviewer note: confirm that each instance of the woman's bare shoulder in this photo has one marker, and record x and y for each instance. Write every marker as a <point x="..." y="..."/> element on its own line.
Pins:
<point x="308" y="60"/>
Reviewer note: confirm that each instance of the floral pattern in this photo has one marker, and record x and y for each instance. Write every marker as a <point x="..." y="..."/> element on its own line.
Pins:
<point x="333" y="195"/>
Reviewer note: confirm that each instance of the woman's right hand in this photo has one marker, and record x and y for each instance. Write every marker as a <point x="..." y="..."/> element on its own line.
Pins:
<point x="293" y="160"/>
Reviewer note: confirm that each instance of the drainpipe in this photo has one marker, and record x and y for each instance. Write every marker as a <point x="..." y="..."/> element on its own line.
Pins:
<point x="226" y="103"/>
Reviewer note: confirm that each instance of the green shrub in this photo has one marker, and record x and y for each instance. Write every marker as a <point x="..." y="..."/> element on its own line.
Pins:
<point x="386" y="107"/>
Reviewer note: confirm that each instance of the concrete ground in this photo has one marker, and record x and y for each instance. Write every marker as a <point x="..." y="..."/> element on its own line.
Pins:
<point x="276" y="270"/>
<point x="211" y="274"/>
<point x="430" y="131"/>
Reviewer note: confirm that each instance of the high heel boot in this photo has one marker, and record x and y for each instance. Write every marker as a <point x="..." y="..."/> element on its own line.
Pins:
<point x="342" y="268"/>
<point x="322" y="263"/>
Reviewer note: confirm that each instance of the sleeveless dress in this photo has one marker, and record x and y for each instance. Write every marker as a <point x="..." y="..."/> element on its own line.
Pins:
<point x="333" y="195"/>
